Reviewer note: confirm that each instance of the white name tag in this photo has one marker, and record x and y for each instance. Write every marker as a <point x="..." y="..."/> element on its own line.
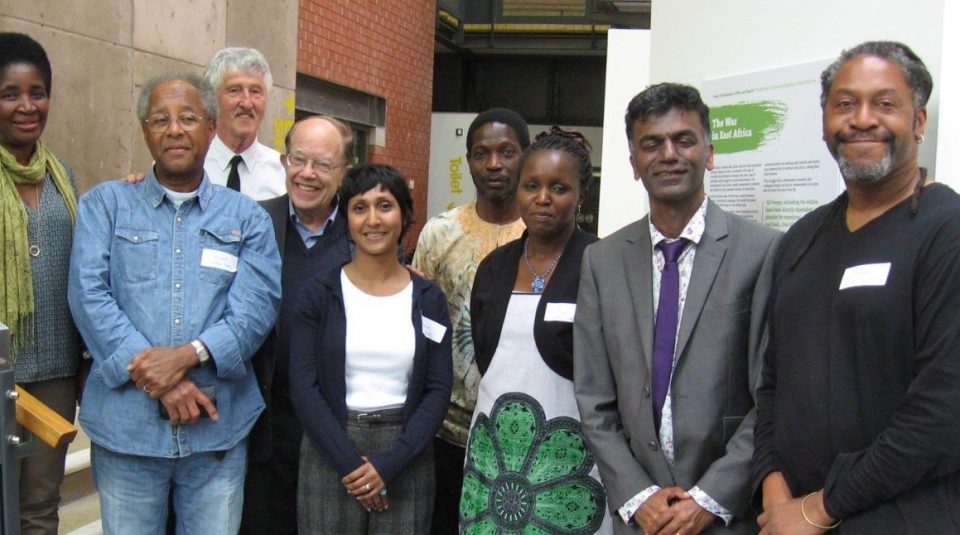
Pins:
<point x="560" y="312"/>
<point x="215" y="259"/>
<point x="865" y="275"/>
<point x="433" y="330"/>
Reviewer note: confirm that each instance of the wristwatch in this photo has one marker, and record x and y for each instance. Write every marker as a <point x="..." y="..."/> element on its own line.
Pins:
<point x="202" y="354"/>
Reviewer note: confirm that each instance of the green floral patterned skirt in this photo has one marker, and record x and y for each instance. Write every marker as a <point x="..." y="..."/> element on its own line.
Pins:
<point x="528" y="475"/>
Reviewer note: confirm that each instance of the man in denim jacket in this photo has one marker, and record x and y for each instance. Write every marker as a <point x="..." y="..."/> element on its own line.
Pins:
<point x="174" y="283"/>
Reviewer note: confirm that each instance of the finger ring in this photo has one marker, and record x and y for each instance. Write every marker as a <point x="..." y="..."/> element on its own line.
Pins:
<point x="383" y="492"/>
<point x="145" y="389"/>
<point x="368" y="486"/>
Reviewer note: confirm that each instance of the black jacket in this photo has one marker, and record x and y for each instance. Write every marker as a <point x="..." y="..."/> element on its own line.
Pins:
<point x="493" y="286"/>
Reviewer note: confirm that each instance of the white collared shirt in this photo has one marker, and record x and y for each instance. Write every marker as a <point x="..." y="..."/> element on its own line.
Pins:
<point x="261" y="173"/>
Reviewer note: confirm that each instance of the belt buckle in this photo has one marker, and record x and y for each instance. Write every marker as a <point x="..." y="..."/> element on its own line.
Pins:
<point x="368" y="417"/>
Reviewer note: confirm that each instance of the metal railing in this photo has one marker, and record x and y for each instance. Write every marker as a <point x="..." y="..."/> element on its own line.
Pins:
<point x="14" y="442"/>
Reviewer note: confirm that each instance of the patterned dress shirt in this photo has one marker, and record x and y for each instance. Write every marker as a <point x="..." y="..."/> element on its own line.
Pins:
<point x="693" y="232"/>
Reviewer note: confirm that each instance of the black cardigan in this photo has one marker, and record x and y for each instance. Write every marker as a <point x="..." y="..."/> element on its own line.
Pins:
<point x="493" y="286"/>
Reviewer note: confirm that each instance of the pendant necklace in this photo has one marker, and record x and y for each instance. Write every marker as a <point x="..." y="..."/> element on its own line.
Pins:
<point x="35" y="247"/>
<point x="539" y="281"/>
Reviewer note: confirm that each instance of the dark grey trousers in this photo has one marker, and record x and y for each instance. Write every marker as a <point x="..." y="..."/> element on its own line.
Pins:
<point x="324" y="506"/>
<point x="42" y="473"/>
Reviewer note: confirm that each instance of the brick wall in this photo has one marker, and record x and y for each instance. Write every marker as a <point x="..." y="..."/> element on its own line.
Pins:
<point x="383" y="47"/>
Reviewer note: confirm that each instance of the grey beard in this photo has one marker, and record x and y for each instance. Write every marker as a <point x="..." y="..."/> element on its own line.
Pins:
<point x="865" y="174"/>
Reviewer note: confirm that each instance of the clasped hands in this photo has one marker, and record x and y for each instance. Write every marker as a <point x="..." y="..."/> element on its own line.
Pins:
<point x="161" y="373"/>
<point x="782" y="513"/>
<point x="366" y="484"/>
<point x="672" y="511"/>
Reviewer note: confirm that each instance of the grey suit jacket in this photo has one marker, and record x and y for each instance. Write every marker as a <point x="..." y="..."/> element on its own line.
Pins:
<point x="720" y="338"/>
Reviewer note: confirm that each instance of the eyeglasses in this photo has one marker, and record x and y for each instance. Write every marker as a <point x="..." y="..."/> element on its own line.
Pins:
<point x="323" y="167"/>
<point x="160" y="123"/>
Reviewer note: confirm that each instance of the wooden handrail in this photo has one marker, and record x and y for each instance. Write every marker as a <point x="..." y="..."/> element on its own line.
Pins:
<point x="43" y="421"/>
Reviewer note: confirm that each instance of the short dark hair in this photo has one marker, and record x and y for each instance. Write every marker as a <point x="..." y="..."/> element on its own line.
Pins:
<point x="502" y="116"/>
<point x="346" y="134"/>
<point x="912" y="67"/>
<point x="21" y="48"/>
<point x="365" y="177"/>
<point x="569" y="141"/>
<point x="657" y="100"/>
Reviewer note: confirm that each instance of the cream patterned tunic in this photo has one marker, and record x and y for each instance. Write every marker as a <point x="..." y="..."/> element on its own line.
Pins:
<point x="449" y="250"/>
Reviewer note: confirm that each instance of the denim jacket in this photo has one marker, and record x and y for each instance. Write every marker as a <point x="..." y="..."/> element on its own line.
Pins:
<point x="144" y="273"/>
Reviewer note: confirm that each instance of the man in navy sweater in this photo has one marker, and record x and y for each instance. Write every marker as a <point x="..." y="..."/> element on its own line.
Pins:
<point x="312" y="236"/>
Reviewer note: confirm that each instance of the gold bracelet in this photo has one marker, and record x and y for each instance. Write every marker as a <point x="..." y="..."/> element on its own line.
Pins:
<point x="803" y="502"/>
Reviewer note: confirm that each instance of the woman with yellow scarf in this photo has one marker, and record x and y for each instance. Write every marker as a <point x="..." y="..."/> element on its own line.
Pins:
<point x="37" y="207"/>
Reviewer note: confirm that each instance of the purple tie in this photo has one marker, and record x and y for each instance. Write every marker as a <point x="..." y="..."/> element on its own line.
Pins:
<point x="665" y="334"/>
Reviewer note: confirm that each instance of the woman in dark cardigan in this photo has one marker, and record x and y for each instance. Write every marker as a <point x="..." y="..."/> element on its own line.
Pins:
<point x="370" y="373"/>
<point x="526" y="449"/>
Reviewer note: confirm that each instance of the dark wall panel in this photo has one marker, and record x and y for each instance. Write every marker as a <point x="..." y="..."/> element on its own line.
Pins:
<point x="566" y="90"/>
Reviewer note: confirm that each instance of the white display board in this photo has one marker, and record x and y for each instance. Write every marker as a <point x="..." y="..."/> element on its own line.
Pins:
<point x="948" y="133"/>
<point x="622" y="198"/>
<point x="721" y="39"/>
<point x="768" y="164"/>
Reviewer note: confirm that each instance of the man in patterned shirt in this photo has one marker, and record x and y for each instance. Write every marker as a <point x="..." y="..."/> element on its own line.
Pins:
<point x="668" y="335"/>
<point x="448" y="252"/>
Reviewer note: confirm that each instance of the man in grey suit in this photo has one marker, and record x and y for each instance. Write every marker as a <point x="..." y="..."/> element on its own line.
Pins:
<point x="669" y="329"/>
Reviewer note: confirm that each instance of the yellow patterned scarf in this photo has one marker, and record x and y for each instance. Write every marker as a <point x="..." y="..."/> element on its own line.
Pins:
<point x="16" y="292"/>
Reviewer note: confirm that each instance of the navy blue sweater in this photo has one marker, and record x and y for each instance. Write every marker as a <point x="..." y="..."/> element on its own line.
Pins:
<point x="316" y="336"/>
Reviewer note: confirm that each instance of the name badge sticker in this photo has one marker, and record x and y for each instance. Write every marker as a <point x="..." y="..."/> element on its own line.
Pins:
<point x="215" y="259"/>
<point x="865" y="275"/>
<point x="560" y="312"/>
<point x="433" y="330"/>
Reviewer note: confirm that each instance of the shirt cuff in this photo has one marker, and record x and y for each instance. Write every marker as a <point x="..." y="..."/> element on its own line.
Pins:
<point x="628" y="509"/>
<point x="711" y="505"/>
<point x="113" y="370"/>
<point x="224" y="350"/>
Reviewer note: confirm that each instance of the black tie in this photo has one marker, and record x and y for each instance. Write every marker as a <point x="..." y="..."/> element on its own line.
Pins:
<point x="233" y="179"/>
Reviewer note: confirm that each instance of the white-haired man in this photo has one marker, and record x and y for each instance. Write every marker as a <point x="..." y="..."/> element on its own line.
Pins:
<point x="174" y="283"/>
<point x="241" y="77"/>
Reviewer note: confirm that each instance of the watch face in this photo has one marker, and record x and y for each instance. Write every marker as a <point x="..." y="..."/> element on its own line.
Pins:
<point x="202" y="354"/>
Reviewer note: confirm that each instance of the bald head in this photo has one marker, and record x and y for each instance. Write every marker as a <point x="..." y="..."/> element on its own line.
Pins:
<point x="346" y="134"/>
<point x="319" y="150"/>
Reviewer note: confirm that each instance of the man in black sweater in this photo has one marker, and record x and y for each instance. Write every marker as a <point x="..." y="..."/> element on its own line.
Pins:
<point x="858" y="416"/>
